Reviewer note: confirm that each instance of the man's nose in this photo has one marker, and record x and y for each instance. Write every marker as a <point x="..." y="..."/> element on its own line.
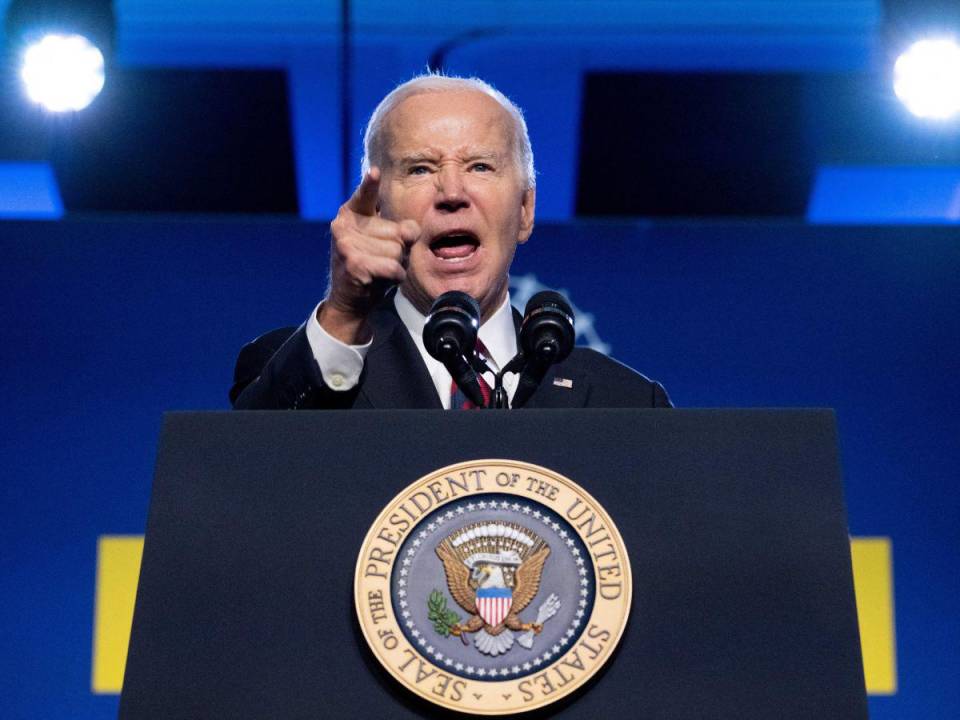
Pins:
<point x="451" y="194"/>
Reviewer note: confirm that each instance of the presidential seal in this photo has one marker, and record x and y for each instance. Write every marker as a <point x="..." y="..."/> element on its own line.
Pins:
<point x="493" y="587"/>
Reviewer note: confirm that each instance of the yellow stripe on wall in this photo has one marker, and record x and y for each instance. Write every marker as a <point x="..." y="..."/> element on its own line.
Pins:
<point x="118" y="569"/>
<point x="873" y="585"/>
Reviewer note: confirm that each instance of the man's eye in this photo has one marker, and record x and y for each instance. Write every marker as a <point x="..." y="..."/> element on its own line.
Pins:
<point x="482" y="167"/>
<point x="418" y="170"/>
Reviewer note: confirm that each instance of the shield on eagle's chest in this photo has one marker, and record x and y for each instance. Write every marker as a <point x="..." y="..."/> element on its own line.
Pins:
<point x="493" y="604"/>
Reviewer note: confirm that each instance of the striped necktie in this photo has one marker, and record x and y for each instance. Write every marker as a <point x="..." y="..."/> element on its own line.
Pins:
<point x="459" y="401"/>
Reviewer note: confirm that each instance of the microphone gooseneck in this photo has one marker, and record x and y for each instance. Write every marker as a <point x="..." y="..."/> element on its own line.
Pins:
<point x="450" y="336"/>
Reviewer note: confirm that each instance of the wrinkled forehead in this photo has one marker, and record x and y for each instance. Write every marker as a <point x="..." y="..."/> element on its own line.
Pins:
<point x="452" y="121"/>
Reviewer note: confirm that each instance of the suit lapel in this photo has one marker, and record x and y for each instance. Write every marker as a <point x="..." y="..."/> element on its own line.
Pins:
<point x="394" y="376"/>
<point x="561" y="388"/>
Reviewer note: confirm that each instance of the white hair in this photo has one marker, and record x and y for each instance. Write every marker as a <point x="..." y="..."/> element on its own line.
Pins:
<point x="436" y="83"/>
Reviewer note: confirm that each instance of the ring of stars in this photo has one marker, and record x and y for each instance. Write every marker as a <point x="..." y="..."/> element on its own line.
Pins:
<point x="438" y="524"/>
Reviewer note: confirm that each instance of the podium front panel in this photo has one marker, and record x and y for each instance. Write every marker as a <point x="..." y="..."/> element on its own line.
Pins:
<point x="734" y="522"/>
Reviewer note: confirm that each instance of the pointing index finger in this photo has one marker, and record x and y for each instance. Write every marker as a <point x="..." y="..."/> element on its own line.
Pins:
<point x="364" y="198"/>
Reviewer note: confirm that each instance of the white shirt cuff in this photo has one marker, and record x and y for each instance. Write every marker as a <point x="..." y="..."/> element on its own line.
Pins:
<point x="340" y="364"/>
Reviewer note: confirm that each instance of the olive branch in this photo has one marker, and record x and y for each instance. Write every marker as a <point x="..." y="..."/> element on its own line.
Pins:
<point x="443" y="618"/>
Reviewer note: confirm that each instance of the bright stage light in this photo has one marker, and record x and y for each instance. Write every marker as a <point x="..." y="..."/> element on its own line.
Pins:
<point x="927" y="78"/>
<point x="63" y="72"/>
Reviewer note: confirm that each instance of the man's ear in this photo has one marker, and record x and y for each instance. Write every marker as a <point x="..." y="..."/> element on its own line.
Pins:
<point x="527" y="210"/>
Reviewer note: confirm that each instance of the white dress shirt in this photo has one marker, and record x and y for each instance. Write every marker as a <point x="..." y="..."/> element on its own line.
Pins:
<point x="341" y="364"/>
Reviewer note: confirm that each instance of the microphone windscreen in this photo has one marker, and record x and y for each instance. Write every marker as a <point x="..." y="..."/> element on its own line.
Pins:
<point x="548" y="298"/>
<point x="452" y="325"/>
<point x="547" y="333"/>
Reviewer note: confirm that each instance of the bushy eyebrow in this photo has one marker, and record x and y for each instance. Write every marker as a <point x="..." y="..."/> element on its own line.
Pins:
<point x="416" y="158"/>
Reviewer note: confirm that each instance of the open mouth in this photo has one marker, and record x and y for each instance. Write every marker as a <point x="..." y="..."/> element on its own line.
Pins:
<point x="456" y="245"/>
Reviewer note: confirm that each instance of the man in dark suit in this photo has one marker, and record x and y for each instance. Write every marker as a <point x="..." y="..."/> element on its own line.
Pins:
<point x="448" y="192"/>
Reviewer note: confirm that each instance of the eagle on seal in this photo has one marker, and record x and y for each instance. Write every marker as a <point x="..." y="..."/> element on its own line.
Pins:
<point x="493" y="572"/>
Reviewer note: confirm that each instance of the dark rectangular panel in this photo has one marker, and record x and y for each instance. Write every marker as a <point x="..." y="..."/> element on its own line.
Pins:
<point x="684" y="144"/>
<point x="734" y="523"/>
<point x="181" y="140"/>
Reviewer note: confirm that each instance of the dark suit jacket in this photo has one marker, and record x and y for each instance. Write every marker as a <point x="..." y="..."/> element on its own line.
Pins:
<point x="278" y="371"/>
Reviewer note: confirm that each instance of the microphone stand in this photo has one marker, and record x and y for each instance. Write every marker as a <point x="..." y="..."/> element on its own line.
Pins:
<point x="500" y="398"/>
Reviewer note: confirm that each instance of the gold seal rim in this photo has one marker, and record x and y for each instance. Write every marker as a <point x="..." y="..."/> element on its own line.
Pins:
<point x="599" y="662"/>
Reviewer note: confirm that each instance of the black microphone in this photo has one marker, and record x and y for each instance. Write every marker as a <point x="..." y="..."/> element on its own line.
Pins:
<point x="450" y="336"/>
<point x="547" y="336"/>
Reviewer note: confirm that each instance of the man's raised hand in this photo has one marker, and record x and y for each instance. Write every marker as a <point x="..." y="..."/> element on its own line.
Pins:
<point x="368" y="254"/>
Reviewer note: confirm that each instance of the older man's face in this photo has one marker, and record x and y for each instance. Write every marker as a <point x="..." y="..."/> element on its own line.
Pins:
<point x="449" y="164"/>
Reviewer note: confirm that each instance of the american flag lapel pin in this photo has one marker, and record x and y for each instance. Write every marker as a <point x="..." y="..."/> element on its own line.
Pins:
<point x="563" y="382"/>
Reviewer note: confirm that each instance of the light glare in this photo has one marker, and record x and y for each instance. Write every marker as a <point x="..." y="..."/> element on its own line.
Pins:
<point x="63" y="72"/>
<point x="926" y="78"/>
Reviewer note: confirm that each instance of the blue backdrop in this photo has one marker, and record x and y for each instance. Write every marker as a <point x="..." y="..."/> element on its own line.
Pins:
<point x="107" y="324"/>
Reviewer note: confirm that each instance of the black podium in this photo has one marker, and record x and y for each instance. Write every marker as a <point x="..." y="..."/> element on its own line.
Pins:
<point x="734" y="521"/>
